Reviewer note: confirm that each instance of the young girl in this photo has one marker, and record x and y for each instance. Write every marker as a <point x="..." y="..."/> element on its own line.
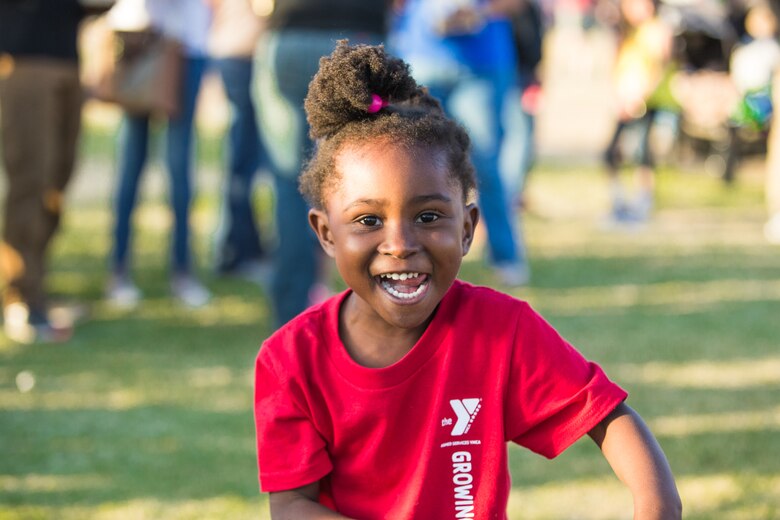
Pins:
<point x="396" y="398"/>
<point x="642" y="75"/>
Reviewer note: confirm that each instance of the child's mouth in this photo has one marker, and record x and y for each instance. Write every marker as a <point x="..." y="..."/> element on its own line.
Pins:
<point x="404" y="286"/>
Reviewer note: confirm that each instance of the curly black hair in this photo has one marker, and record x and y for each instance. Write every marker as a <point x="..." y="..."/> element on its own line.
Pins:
<point x="337" y="109"/>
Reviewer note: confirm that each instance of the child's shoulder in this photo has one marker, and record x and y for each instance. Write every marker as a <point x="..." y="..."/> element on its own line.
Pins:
<point x="486" y="300"/>
<point x="493" y="315"/>
<point x="302" y="336"/>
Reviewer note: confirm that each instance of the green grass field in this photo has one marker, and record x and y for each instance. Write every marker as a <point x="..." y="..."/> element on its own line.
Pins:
<point x="147" y="414"/>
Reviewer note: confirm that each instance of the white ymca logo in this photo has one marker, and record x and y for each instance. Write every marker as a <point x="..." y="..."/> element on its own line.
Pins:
<point x="466" y="411"/>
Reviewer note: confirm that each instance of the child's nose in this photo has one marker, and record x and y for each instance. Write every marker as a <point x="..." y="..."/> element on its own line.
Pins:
<point x="399" y="241"/>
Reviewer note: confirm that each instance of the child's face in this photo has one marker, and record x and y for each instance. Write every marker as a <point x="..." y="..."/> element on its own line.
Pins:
<point x="637" y="11"/>
<point x="398" y="228"/>
<point x="760" y="22"/>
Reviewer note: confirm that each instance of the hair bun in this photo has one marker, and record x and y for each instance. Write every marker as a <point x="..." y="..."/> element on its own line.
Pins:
<point x="347" y="83"/>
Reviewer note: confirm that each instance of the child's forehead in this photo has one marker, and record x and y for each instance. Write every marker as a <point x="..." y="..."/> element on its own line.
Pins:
<point x="384" y="165"/>
<point x="385" y="156"/>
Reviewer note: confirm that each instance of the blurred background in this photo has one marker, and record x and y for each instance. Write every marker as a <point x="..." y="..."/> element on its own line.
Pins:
<point x="146" y="412"/>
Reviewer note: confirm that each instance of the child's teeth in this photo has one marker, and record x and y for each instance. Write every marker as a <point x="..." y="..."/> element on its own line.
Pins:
<point x="400" y="276"/>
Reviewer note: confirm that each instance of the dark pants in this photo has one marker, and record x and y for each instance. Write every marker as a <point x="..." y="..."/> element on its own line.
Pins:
<point x="134" y="144"/>
<point x="284" y="70"/>
<point x="237" y="237"/>
<point x="40" y="113"/>
<point x="644" y="156"/>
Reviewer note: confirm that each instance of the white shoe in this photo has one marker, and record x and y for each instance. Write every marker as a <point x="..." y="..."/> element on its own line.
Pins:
<point x="772" y="229"/>
<point x="190" y="292"/>
<point x="22" y="325"/>
<point x="123" y="293"/>
<point x="513" y="274"/>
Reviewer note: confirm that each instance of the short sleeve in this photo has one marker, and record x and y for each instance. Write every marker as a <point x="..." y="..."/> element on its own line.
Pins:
<point x="290" y="451"/>
<point x="555" y="396"/>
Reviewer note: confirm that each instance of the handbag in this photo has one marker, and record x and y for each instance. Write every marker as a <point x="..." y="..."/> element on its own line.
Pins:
<point x="142" y="74"/>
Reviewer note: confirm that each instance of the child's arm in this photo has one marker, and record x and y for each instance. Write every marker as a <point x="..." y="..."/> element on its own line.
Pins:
<point x="300" y="504"/>
<point x="638" y="461"/>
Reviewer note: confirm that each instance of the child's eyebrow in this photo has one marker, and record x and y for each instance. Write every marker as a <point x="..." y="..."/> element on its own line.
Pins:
<point x="365" y="202"/>
<point x="433" y="197"/>
<point x="382" y="202"/>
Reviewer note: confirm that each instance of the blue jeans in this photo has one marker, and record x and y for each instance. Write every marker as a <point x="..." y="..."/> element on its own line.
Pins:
<point x="476" y="100"/>
<point x="133" y="145"/>
<point x="237" y="238"/>
<point x="518" y="149"/>
<point x="285" y="66"/>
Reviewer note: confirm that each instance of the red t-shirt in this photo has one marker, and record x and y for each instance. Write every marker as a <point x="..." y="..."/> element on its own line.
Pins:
<point x="425" y="437"/>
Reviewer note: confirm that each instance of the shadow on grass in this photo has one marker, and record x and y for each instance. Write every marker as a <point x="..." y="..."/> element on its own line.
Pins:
<point x="171" y="453"/>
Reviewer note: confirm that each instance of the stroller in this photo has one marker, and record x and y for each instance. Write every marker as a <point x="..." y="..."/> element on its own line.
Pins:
<point x="718" y="123"/>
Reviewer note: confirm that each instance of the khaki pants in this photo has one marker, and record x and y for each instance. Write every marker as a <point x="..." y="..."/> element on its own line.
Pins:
<point x="40" y="113"/>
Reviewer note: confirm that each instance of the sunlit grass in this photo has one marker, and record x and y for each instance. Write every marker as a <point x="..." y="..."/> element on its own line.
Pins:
<point x="708" y="497"/>
<point x="147" y="414"/>
<point x="736" y="373"/>
<point x="768" y="419"/>
<point x="678" y="296"/>
<point x="150" y="509"/>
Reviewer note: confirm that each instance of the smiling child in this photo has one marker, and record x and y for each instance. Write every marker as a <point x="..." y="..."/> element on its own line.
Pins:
<point x="397" y="398"/>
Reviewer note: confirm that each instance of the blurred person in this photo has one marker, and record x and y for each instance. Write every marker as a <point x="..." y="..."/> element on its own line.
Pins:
<point x="751" y="65"/>
<point x="40" y="114"/>
<point x="464" y="53"/>
<point x="761" y="24"/>
<point x="641" y="76"/>
<point x="753" y="61"/>
<point x="238" y="249"/>
<point x="299" y="33"/>
<point x="187" y="21"/>
<point x="518" y="149"/>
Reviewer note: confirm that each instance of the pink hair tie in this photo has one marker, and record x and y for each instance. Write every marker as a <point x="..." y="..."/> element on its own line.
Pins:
<point x="377" y="104"/>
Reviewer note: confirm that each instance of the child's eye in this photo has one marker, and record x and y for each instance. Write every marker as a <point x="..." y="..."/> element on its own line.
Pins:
<point x="428" y="217"/>
<point x="369" y="220"/>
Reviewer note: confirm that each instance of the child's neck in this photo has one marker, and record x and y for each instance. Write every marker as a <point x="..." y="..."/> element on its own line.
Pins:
<point x="372" y="346"/>
<point x="372" y="354"/>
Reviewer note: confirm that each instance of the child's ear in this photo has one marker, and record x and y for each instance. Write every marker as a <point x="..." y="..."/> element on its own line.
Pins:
<point x="318" y="220"/>
<point x="470" y="221"/>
